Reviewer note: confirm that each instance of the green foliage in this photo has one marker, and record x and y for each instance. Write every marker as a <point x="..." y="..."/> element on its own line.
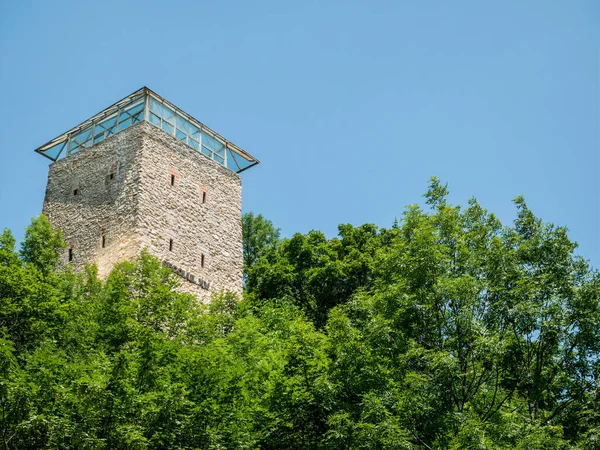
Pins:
<point x="446" y="331"/>
<point x="259" y="235"/>
<point x="314" y="273"/>
<point x="42" y="244"/>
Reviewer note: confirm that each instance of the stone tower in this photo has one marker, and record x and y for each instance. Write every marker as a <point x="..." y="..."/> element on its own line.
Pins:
<point x="143" y="174"/>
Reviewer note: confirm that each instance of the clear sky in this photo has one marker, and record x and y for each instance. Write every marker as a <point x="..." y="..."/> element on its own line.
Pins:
<point x="350" y="106"/>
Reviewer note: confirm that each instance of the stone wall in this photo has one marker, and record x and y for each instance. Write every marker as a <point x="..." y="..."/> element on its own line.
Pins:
<point x="142" y="188"/>
<point x="87" y="203"/>
<point x="201" y="213"/>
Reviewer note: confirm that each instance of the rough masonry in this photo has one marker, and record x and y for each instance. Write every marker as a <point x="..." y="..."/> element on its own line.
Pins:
<point x="143" y="188"/>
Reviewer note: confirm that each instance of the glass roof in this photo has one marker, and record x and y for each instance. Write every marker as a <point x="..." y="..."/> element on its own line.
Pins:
<point x="145" y="105"/>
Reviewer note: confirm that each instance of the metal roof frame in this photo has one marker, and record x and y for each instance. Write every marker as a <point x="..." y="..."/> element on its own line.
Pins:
<point x="144" y="91"/>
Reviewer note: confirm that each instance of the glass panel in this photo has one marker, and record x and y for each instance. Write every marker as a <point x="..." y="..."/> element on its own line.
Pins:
<point x="162" y="111"/>
<point x="170" y="118"/>
<point x="181" y="136"/>
<point x="183" y="124"/>
<point x="211" y="143"/>
<point x="98" y="130"/>
<point x="188" y="128"/>
<point x="231" y="162"/>
<point x="124" y="124"/>
<point x="154" y="119"/>
<point x="241" y="161"/>
<point x="138" y="117"/>
<point x="125" y="116"/>
<point x="55" y="151"/>
<point x="168" y="127"/>
<point x="81" y="139"/>
<point x="108" y="122"/>
<point x="135" y="109"/>
<point x="109" y="125"/>
<point x="84" y="135"/>
<point x="154" y="105"/>
<point x="161" y="116"/>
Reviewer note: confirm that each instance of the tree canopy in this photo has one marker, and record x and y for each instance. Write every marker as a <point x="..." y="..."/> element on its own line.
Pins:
<point x="448" y="330"/>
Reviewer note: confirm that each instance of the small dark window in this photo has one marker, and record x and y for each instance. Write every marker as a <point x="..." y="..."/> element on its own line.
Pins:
<point x="112" y="176"/>
<point x="202" y="260"/>
<point x="172" y="180"/>
<point x="203" y="197"/>
<point x="103" y="241"/>
<point x="75" y="191"/>
<point x="171" y="245"/>
<point x="70" y="254"/>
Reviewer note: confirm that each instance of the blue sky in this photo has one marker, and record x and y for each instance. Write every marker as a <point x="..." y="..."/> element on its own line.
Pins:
<point x="350" y="106"/>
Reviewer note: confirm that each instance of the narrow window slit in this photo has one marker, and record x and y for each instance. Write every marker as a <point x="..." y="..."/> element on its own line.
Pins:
<point x="202" y="260"/>
<point x="70" y="254"/>
<point x="103" y="241"/>
<point x="204" y="197"/>
<point x="170" y="245"/>
<point x="75" y="191"/>
<point x="172" y="180"/>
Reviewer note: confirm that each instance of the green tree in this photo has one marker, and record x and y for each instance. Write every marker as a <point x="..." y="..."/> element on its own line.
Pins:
<point x="449" y="330"/>
<point x="474" y="335"/>
<point x="32" y="295"/>
<point x="259" y="235"/>
<point x="315" y="273"/>
<point x="42" y="245"/>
